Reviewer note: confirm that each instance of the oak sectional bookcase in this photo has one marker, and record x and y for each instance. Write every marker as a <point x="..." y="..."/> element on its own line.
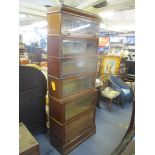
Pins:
<point x="72" y="64"/>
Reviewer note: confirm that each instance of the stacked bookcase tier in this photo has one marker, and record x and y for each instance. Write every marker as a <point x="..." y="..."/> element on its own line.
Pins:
<point x="65" y="23"/>
<point x="67" y="109"/>
<point x="64" y="46"/>
<point x="70" y="130"/>
<point x="65" y="67"/>
<point x="64" y="87"/>
<point x="66" y="137"/>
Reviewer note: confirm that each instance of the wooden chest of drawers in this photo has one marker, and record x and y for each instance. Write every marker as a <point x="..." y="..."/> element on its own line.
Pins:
<point x="72" y="62"/>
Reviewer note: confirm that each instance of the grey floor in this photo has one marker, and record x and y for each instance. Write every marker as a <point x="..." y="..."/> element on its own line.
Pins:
<point x="110" y="129"/>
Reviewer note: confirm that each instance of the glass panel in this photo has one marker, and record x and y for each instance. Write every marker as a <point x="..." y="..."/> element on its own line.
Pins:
<point x="78" y="106"/>
<point x="70" y="87"/>
<point x="74" y="48"/>
<point x="76" y="66"/>
<point x="75" y="26"/>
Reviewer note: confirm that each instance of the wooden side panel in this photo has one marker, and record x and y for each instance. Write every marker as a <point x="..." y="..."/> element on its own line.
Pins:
<point x="54" y="87"/>
<point x="54" y="67"/>
<point x="54" y="24"/>
<point x="57" y="131"/>
<point x="56" y="110"/>
<point x="54" y="45"/>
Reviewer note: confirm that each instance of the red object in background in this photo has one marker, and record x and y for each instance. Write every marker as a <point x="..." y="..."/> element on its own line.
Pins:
<point x="103" y="41"/>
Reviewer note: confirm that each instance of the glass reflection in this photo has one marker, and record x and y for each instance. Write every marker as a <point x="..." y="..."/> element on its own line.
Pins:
<point x="78" y="106"/>
<point x="71" y="67"/>
<point x="79" y="26"/>
<point x="73" y="48"/>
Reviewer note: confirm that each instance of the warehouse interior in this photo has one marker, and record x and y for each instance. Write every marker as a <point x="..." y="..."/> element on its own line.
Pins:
<point x="77" y="77"/>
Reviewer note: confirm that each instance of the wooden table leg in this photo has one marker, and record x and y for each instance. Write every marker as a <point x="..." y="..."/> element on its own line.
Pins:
<point x="98" y="98"/>
<point x="110" y="105"/>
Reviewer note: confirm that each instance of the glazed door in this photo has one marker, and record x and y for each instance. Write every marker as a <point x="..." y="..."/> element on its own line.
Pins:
<point x="78" y="65"/>
<point x="73" y="86"/>
<point x="72" y="25"/>
<point x="79" y="105"/>
<point x="78" y="47"/>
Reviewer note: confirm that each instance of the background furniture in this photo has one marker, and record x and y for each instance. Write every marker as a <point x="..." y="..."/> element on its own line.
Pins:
<point x="27" y="143"/>
<point x="72" y="63"/>
<point x="119" y="85"/>
<point x="130" y="73"/>
<point x="130" y="64"/>
<point x="110" y="94"/>
<point x="32" y="92"/>
<point x="102" y="86"/>
<point x="98" y="86"/>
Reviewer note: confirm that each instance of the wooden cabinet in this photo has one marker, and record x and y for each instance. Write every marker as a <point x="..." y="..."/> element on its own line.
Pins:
<point x="72" y="64"/>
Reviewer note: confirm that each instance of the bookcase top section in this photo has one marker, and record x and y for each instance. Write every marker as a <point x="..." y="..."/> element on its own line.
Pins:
<point x="71" y="10"/>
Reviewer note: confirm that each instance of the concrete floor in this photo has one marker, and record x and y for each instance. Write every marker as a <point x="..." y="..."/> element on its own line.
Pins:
<point x="110" y="129"/>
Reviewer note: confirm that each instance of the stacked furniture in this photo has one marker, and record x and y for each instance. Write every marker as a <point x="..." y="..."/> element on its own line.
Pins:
<point x="72" y="64"/>
<point x="126" y="93"/>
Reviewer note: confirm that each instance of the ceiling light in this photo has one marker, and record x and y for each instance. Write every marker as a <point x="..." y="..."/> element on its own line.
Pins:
<point x="22" y="16"/>
<point x="102" y="25"/>
<point x="79" y="28"/>
<point x="39" y="24"/>
<point x="106" y="14"/>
